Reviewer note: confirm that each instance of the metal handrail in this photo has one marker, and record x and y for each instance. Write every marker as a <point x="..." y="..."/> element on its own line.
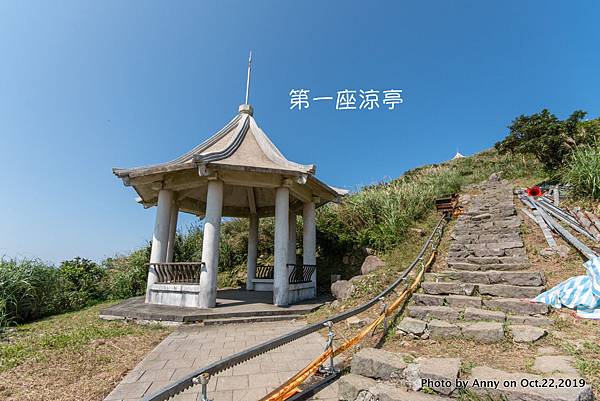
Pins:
<point x="177" y="272"/>
<point x="252" y="352"/>
<point x="300" y="274"/>
<point x="264" y="272"/>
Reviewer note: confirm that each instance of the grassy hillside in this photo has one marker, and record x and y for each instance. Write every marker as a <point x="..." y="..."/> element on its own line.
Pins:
<point x="378" y="217"/>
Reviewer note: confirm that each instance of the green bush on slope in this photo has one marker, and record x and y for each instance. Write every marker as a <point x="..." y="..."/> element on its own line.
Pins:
<point x="583" y="172"/>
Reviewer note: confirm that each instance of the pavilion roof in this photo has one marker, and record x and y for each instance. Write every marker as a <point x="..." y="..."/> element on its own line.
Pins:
<point x="241" y="142"/>
<point x="241" y="147"/>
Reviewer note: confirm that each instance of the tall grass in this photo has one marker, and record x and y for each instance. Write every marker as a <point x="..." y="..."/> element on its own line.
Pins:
<point x="380" y="215"/>
<point x="28" y="290"/>
<point x="583" y="171"/>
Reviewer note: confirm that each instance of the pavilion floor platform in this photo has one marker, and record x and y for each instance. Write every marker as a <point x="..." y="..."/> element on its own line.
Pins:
<point x="233" y="306"/>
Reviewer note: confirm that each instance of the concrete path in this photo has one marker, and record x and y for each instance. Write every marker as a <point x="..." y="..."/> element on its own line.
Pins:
<point x="191" y="347"/>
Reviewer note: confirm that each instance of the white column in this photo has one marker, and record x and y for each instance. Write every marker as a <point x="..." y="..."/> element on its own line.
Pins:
<point x="160" y="236"/>
<point x="172" y="232"/>
<point x="280" y="281"/>
<point x="252" y="251"/>
<point x="210" y="244"/>
<point x="292" y="238"/>
<point x="309" y="239"/>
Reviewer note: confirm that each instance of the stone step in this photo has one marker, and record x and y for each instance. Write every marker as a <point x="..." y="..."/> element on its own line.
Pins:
<point x="485" y="332"/>
<point x="491" y="260"/>
<point x="538" y="321"/>
<point x="434" y="312"/>
<point x="353" y="387"/>
<point x="249" y="319"/>
<point x="505" y="290"/>
<point x="483" y="314"/>
<point x="521" y="278"/>
<point x="516" y="306"/>
<point x="520" y="311"/>
<point x="457" y="301"/>
<point x="477" y="324"/>
<point x="435" y="288"/>
<point x="462" y="265"/>
<point x="496" y="290"/>
<point x="378" y="364"/>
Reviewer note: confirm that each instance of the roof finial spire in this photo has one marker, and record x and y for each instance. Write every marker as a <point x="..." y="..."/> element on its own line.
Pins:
<point x="248" y="79"/>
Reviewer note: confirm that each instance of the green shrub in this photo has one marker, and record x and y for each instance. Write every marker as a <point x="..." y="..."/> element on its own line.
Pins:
<point x="83" y="282"/>
<point x="126" y="275"/>
<point x="550" y="140"/>
<point x="583" y="172"/>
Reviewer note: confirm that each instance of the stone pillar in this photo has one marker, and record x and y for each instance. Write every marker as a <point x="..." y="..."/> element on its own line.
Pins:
<point x="292" y="238"/>
<point x="280" y="282"/>
<point x="252" y="251"/>
<point x="210" y="244"/>
<point x="309" y="239"/>
<point x="160" y="236"/>
<point x="172" y="232"/>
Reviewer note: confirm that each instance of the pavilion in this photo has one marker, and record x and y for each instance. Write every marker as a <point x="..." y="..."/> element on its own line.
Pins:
<point x="238" y="172"/>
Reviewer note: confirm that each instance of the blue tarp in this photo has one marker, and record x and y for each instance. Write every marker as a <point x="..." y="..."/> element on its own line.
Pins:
<point x="581" y="293"/>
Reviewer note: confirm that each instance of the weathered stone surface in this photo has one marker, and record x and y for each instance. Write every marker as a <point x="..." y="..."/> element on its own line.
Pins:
<point x="412" y="326"/>
<point x="522" y="391"/>
<point x="448" y="288"/>
<point x="428" y="300"/>
<point x="510" y="244"/>
<point x="433" y="312"/>
<point x="505" y="290"/>
<point x="440" y="369"/>
<point x="515" y="305"/>
<point x="371" y="264"/>
<point x="342" y="289"/>
<point x="486" y="332"/>
<point x="356" y="322"/>
<point x="462" y="265"/>
<point x="483" y="260"/>
<point x="555" y="363"/>
<point x="463" y="301"/>
<point x="506" y="267"/>
<point x="482" y="216"/>
<point x="378" y="364"/>
<point x="440" y="329"/>
<point x="539" y="321"/>
<point x="484" y="314"/>
<point x="482" y="252"/>
<point x="526" y="334"/>
<point x="522" y="278"/>
<point x="475" y="277"/>
<point x="351" y="385"/>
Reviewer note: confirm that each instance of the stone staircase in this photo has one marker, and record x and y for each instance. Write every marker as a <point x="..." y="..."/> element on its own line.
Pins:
<point x="485" y="291"/>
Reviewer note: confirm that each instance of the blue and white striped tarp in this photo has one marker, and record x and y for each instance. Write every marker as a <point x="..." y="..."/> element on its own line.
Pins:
<point x="581" y="293"/>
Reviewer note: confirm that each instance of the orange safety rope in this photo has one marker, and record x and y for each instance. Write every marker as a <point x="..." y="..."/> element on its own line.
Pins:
<point x="290" y="387"/>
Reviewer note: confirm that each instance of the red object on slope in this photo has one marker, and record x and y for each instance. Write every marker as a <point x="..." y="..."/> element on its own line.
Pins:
<point x="534" y="191"/>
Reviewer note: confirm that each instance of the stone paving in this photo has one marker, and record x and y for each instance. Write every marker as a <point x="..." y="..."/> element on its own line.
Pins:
<point x="191" y="347"/>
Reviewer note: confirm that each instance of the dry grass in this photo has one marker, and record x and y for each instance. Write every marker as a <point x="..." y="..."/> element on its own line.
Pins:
<point x="74" y="356"/>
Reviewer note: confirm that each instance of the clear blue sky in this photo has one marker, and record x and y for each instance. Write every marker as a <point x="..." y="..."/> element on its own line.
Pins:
<point x="90" y="85"/>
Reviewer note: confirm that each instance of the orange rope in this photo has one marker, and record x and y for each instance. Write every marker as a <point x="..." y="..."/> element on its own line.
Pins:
<point x="290" y="387"/>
